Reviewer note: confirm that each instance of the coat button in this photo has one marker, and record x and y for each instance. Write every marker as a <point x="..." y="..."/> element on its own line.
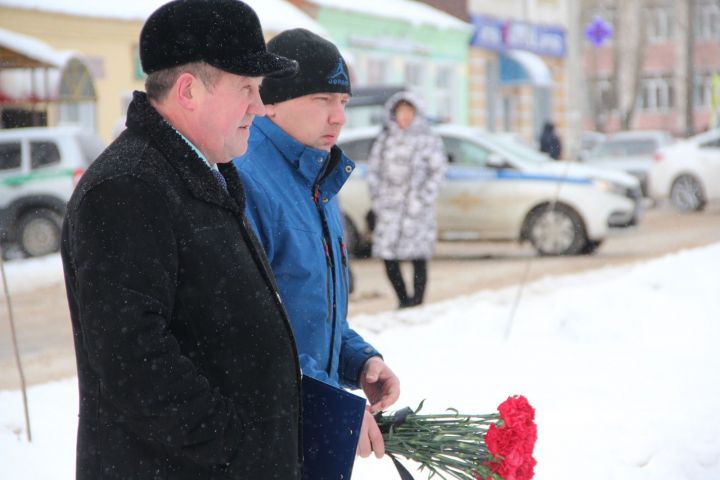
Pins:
<point x="325" y="200"/>
<point x="348" y="168"/>
<point x="320" y="159"/>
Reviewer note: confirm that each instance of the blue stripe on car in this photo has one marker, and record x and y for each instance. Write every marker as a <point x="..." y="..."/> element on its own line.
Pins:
<point x="467" y="173"/>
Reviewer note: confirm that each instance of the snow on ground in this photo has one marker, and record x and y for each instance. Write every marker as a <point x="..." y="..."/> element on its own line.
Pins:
<point x="621" y="365"/>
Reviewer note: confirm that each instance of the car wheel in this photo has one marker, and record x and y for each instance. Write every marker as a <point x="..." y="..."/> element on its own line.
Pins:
<point x="686" y="194"/>
<point x="38" y="233"/>
<point x="556" y="230"/>
<point x="591" y="247"/>
<point x="356" y="247"/>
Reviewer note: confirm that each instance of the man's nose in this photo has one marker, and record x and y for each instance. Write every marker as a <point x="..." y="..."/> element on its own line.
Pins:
<point x="337" y="115"/>
<point x="257" y="107"/>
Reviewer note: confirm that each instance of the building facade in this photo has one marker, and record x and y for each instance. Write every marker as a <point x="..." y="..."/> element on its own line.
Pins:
<point x="95" y="64"/>
<point x="519" y="66"/>
<point x="404" y="43"/>
<point x="659" y="70"/>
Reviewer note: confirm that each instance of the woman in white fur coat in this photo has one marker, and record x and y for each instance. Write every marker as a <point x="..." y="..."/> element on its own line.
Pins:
<point x="406" y="166"/>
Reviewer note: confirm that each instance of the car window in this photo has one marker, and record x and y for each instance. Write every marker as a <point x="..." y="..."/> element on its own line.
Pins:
<point x="10" y="155"/>
<point x="711" y="144"/>
<point x="625" y="148"/>
<point x="43" y="153"/>
<point x="462" y="152"/>
<point x="358" y="150"/>
<point x="521" y="152"/>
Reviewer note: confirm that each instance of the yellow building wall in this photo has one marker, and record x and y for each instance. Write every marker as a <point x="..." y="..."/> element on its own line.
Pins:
<point x="108" y="43"/>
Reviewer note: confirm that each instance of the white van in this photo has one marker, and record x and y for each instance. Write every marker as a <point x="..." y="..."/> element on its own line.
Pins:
<point x="39" y="168"/>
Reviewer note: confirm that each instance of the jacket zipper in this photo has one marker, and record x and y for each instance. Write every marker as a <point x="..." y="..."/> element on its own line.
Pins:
<point x="345" y="274"/>
<point x="330" y="279"/>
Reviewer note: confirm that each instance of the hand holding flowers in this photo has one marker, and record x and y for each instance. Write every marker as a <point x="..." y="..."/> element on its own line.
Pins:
<point x="495" y="446"/>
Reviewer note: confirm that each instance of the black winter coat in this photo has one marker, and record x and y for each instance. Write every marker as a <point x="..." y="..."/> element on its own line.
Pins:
<point x="187" y="366"/>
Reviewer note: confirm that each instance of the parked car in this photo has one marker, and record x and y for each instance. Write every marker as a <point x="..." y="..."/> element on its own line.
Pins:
<point x="499" y="189"/>
<point x="688" y="172"/>
<point x="631" y="152"/>
<point x="588" y="141"/>
<point x="39" y="167"/>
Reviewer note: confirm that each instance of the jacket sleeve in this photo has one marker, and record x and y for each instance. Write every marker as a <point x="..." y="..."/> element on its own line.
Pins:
<point x="123" y="254"/>
<point x="354" y="352"/>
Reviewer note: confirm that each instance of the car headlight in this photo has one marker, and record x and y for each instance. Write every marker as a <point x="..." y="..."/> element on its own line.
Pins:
<point x="608" y="186"/>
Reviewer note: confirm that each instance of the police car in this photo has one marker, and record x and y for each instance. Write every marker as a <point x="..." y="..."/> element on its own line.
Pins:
<point x="39" y="168"/>
<point x="497" y="189"/>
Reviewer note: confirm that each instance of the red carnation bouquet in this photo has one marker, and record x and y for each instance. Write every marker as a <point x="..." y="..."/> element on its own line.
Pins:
<point x="496" y="446"/>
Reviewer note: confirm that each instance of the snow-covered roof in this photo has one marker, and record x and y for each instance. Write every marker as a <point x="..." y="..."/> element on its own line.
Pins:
<point x="408" y="10"/>
<point x="37" y="52"/>
<point x="275" y="15"/>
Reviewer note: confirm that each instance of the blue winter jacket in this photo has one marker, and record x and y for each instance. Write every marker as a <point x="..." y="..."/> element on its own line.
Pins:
<point x="298" y="220"/>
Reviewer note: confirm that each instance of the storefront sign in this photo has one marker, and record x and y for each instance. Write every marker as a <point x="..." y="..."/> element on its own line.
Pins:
<point x="495" y="34"/>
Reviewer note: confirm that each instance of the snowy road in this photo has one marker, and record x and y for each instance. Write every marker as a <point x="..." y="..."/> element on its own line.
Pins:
<point x="45" y="335"/>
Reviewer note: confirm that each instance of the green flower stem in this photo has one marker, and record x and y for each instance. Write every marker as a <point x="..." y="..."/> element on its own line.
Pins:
<point x="447" y="445"/>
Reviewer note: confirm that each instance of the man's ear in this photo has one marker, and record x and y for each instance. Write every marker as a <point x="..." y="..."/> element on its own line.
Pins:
<point x="270" y="111"/>
<point x="186" y="90"/>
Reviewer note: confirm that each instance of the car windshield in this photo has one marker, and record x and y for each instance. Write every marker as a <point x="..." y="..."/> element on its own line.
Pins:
<point x="519" y="151"/>
<point x="628" y="147"/>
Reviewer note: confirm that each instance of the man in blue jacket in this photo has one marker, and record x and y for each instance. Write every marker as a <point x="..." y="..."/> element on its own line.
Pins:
<point x="292" y="172"/>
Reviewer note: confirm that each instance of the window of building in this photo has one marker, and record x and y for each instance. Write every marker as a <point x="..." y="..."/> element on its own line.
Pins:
<point x="702" y="92"/>
<point x="603" y="92"/>
<point x="707" y="20"/>
<point x="415" y="76"/>
<point x="377" y="71"/>
<point x="657" y="94"/>
<point x="444" y="93"/>
<point x="659" y="23"/>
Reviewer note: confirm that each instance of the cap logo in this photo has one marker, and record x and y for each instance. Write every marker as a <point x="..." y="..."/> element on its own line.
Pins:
<point x="338" y="76"/>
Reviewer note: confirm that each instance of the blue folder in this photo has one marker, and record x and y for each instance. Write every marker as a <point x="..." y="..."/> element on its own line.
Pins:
<point x="331" y="428"/>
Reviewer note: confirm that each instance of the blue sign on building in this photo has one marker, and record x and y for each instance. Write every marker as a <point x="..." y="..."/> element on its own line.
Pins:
<point x="598" y="31"/>
<point x="494" y="34"/>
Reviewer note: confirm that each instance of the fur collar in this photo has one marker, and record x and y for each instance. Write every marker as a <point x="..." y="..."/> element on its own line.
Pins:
<point x="145" y="121"/>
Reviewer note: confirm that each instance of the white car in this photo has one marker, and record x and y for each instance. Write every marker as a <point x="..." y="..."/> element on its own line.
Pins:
<point x="631" y="152"/>
<point x="39" y="168"/>
<point x="498" y="189"/>
<point x="688" y="172"/>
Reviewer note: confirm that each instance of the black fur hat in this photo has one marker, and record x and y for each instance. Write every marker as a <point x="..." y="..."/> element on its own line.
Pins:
<point x="223" y="33"/>
<point x="321" y="67"/>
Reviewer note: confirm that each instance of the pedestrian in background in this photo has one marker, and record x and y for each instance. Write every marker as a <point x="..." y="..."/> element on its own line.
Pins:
<point x="292" y="172"/>
<point x="550" y="142"/>
<point x="406" y="166"/>
<point x="187" y="366"/>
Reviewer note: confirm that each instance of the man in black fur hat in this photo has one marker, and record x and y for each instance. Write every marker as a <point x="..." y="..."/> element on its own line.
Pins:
<point x="187" y="365"/>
